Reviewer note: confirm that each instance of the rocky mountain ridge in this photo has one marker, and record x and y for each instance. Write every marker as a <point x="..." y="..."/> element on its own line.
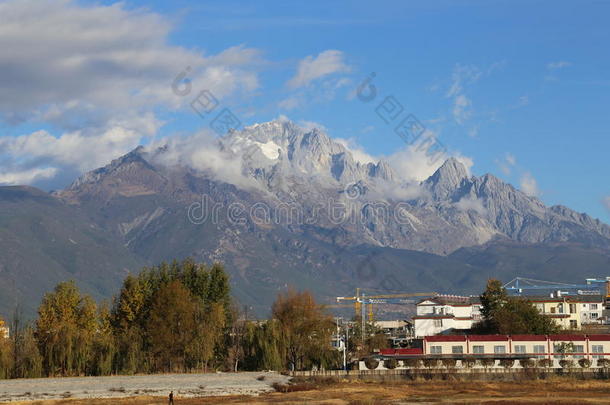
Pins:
<point x="282" y="205"/>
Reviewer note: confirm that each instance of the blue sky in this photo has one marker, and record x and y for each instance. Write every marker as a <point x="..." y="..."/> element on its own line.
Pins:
<point x="519" y="88"/>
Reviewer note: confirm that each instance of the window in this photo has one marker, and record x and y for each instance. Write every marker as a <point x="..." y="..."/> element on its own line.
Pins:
<point x="500" y="349"/>
<point x="519" y="348"/>
<point x="593" y="306"/>
<point x="578" y="350"/>
<point x="457" y="349"/>
<point x="553" y="310"/>
<point x="594" y="315"/>
<point x="436" y="349"/>
<point x="538" y="349"/>
<point x="573" y="323"/>
<point x="572" y="308"/>
<point x="560" y="308"/>
<point x="597" y="349"/>
<point x="438" y="323"/>
<point x="478" y="349"/>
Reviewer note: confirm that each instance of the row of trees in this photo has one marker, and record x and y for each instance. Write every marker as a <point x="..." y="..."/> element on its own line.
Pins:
<point x="171" y="317"/>
<point x="431" y="363"/>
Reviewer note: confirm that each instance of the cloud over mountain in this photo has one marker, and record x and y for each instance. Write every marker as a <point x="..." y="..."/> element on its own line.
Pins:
<point x="95" y="75"/>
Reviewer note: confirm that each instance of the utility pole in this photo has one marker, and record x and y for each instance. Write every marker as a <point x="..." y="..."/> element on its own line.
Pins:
<point x="362" y="317"/>
<point x="345" y="346"/>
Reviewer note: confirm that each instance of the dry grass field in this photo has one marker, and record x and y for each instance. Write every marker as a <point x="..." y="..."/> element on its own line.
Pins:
<point x="551" y="391"/>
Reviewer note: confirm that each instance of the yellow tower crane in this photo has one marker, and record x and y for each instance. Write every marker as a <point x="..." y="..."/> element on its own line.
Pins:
<point x="361" y="300"/>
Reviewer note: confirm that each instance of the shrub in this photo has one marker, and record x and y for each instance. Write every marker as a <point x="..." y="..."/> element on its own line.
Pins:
<point x="468" y="362"/>
<point x="412" y="363"/>
<point x="565" y="363"/>
<point x="371" y="363"/>
<point x="603" y="363"/>
<point x="293" y="387"/>
<point x="449" y="363"/>
<point x="390" y="363"/>
<point x="487" y="362"/>
<point x="584" y="363"/>
<point x="430" y="363"/>
<point x="545" y="363"/>
<point x="527" y="363"/>
<point x="507" y="363"/>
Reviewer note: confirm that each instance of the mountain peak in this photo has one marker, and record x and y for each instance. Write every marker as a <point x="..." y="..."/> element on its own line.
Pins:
<point x="447" y="178"/>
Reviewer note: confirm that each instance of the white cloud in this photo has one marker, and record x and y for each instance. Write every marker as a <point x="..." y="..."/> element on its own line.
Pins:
<point x="507" y="163"/>
<point x="462" y="76"/>
<point x="358" y="152"/>
<point x="203" y="152"/>
<point x="96" y="72"/>
<point x="310" y="125"/>
<point x="289" y="103"/>
<point x="367" y="129"/>
<point x="321" y="91"/>
<point x="606" y="202"/>
<point x="468" y="203"/>
<point x="101" y="60"/>
<point x="558" y="65"/>
<point x="414" y="163"/>
<point x="529" y="185"/>
<point x="474" y="131"/>
<point x="312" y="68"/>
<point x="523" y="101"/>
<point x="461" y="107"/>
<point x="27" y="176"/>
<point x="74" y="152"/>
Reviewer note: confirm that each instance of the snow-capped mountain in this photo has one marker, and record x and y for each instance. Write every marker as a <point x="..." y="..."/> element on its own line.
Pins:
<point x="284" y="205"/>
<point x="335" y="198"/>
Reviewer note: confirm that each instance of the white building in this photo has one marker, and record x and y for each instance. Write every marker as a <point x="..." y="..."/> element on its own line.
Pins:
<point x="445" y="313"/>
<point x="591" y="309"/>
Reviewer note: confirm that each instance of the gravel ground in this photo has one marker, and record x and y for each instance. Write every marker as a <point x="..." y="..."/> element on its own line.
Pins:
<point x="183" y="385"/>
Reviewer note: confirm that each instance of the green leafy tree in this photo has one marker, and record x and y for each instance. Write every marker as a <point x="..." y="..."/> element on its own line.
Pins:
<point x="493" y="299"/>
<point x="263" y="348"/>
<point x="132" y="317"/>
<point x="510" y="315"/>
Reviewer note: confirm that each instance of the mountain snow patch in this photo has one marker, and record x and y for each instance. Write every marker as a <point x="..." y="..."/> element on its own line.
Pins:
<point x="270" y="149"/>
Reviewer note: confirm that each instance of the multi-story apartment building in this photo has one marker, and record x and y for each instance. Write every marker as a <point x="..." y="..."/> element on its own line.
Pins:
<point x="445" y="313"/>
<point x="591" y="309"/>
<point x="570" y="311"/>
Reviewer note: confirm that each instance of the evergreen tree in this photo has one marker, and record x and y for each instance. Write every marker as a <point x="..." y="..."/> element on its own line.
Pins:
<point x="510" y="315"/>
